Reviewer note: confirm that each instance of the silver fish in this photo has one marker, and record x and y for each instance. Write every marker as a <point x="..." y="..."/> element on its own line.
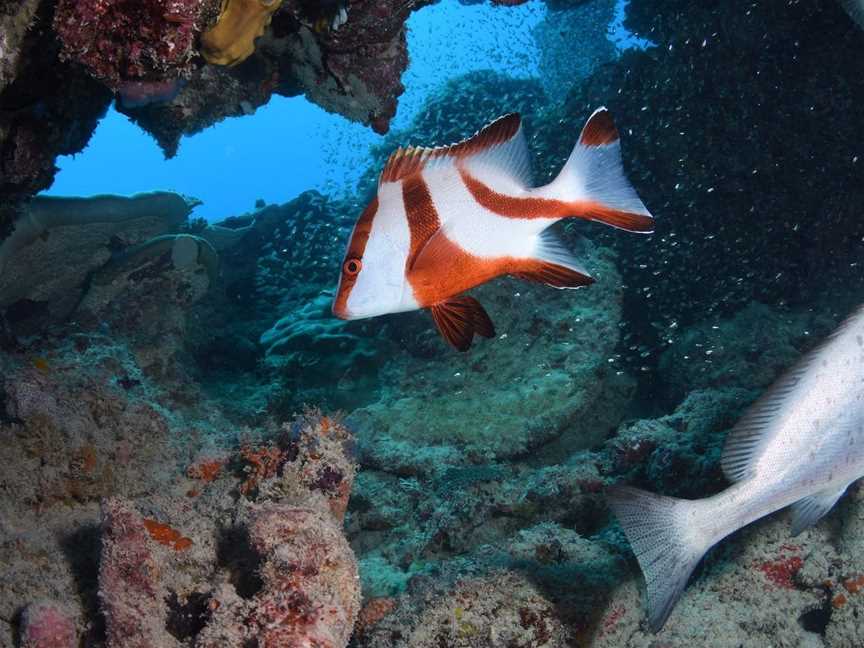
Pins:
<point x="855" y="8"/>
<point x="801" y="443"/>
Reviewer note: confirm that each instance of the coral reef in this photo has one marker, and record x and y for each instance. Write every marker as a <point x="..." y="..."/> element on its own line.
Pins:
<point x="171" y="531"/>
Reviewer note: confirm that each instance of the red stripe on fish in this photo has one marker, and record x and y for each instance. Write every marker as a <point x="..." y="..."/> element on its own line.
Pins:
<point x="408" y="161"/>
<point x="512" y="207"/>
<point x="356" y="248"/>
<point x="421" y="214"/>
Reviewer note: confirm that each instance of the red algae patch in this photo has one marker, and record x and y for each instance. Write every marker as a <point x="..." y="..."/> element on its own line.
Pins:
<point x="166" y="535"/>
<point x="780" y="572"/>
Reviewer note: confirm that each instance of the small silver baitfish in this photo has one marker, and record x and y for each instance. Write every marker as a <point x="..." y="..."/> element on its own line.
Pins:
<point x="801" y="443"/>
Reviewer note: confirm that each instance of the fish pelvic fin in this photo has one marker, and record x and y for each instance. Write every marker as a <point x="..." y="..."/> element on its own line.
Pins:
<point x="459" y="319"/>
<point x="593" y="184"/>
<point x="661" y="534"/>
<point x="808" y="511"/>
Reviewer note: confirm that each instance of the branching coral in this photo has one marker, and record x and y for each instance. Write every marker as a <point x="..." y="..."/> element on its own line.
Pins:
<point x="232" y="39"/>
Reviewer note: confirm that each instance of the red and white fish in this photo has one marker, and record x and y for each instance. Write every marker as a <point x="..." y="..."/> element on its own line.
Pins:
<point x="450" y="218"/>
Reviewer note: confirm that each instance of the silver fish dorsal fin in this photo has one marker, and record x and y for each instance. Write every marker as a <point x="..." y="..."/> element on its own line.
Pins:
<point x="500" y="144"/>
<point x="745" y="441"/>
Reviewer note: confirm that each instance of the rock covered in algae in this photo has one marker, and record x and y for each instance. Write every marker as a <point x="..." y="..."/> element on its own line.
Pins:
<point x="47" y="624"/>
<point x="57" y="242"/>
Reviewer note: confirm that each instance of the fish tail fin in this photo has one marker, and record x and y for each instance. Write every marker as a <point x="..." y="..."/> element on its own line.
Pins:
<point x="593" y="183"/>
<point x="664" y="533"/>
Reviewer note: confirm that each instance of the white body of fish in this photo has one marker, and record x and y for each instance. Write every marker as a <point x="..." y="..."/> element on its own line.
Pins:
<point x="801" y="443"/>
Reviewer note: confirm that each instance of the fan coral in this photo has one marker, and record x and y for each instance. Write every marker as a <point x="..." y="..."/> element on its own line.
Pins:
<point x="232" y="38"/>
<point x="120" y="40"/>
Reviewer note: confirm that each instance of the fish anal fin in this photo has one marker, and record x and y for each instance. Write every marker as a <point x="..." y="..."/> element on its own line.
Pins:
<point x="808" y="511"/>
<point x="459" y="319"/>
<point x="551" y="274"/>
<point x="552" y="264"/>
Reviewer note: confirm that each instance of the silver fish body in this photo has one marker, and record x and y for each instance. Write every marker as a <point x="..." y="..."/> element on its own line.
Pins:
<point x="801" y="443"/>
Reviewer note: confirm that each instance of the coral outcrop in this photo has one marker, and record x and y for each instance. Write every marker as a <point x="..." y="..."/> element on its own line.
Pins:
<point x="56" y="243"/>
<point x="308" y="592"/>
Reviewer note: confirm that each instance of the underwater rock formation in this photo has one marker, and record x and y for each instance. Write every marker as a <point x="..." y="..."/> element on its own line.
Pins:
<point x="495" y="610"/>
<point x="123" y="42"/>
<point x="570" y="336"/>
<point x="323" y="358"/>
<point x="56" y="243"/>
<point x="84" y="422"/>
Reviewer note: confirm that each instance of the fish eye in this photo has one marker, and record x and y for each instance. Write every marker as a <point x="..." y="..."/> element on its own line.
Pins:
<point x="352" y="267"/>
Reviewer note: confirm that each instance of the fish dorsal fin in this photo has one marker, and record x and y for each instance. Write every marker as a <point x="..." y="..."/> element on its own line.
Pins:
<point x="459" y="319"/>
<point x="498" y="146"/>
<point x="745" y="441"/>
<point x="808" y="511"/>
<point x="855" y="8"/>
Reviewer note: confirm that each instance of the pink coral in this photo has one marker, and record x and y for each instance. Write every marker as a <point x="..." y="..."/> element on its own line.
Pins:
<point x="130" y="588"/>
<point x="47" y="625"/>
<point x="126" y="40"/>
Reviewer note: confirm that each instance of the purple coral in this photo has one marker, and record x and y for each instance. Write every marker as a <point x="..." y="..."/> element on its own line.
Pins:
<point x="129" y="40"/>
<point x="47" y="625"/>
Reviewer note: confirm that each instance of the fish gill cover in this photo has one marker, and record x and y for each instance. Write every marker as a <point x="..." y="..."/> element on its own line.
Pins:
<point x="182" y="419"/>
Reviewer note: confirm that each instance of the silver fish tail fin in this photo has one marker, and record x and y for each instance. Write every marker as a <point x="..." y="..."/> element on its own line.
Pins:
<point x="666" y="542"/>
<point x="593" y="179"/>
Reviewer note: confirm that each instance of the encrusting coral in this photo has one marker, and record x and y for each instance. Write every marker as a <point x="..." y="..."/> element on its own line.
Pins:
<point x="46" y="624"/>
<point x="308" y="592"/>
<point x="122" y="41"/>
<point x="232" y="39"/>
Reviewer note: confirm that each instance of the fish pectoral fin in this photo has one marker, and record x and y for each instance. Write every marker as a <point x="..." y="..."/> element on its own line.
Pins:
<point x="808" y="511"/>
<point x="459" y="319"/>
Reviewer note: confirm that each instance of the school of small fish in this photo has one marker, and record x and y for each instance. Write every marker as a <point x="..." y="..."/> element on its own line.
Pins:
<point x="450" y="218"/>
